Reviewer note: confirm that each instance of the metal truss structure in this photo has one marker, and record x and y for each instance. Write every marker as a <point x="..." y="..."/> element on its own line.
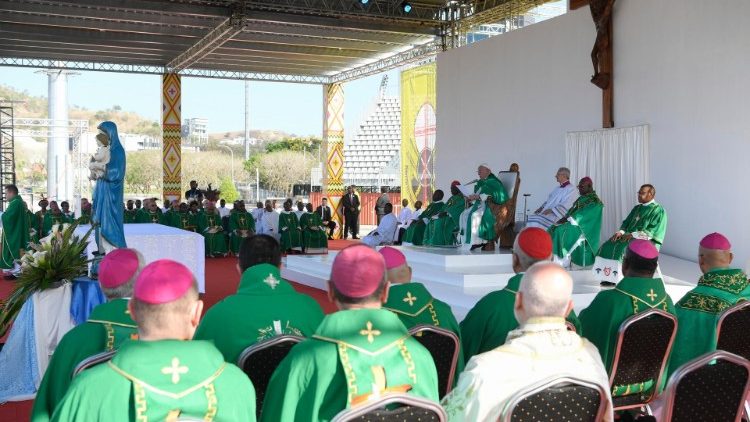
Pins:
<point x="7" y="150"/>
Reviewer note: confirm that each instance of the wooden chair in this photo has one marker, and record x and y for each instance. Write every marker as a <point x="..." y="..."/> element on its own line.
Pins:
<point x="711" y="388"/>
<point x="505" y="214"/>
<point x="444" y="346"/>
<point x="557" y="399"/>
<point x="410" y="409"/>
<point x="92" y="361"/>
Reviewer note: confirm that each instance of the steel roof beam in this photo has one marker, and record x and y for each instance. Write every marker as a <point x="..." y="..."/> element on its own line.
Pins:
<point x="417" y="53"/>
<point x="213" y="40"/>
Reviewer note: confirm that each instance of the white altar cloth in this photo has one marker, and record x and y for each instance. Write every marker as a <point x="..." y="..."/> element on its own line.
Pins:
<point x="156" y="241"/>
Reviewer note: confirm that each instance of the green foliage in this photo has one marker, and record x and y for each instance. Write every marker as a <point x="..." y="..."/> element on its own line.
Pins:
<point x="280" y="170"/>
<point x="294" y="144"/>
<point x="228" y="191"/>
<point x="143" y="172"/>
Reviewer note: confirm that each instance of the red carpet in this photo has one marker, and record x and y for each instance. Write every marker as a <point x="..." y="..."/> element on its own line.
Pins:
<point x="222" y="279"/>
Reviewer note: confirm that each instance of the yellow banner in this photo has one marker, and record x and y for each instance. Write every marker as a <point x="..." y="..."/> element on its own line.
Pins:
<point x="418" y="101"/>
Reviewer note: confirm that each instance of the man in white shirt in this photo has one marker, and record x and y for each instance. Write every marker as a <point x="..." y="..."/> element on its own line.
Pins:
<point x="541" y="348"/>
<point x="257" y="213"/>
<point x="404" y="218"/>
<point x="223" y="210"/>
<point x="269" y="221"/>
<point x="557" y="204"/>
<point x="300" y="210"/>
<point x="385" y="233"/>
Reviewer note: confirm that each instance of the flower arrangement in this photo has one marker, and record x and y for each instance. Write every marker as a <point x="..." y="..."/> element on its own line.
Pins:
<point x="56" y="259"/>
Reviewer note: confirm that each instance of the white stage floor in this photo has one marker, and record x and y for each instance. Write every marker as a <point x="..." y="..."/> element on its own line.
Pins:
<point x="460" y="278"/>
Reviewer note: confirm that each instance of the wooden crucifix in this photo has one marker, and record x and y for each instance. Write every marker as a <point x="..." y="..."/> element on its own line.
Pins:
<point x="601" y="54"/>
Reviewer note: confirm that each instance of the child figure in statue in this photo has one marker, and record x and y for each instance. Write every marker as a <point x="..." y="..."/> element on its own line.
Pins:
<point x="98" y="163"/>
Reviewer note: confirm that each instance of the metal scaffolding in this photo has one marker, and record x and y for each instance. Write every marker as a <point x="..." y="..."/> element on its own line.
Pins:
<point x="7" y="150"/>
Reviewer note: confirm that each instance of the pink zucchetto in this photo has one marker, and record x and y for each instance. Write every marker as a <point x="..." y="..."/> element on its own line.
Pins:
<point x="163" y="281"/>
<point x="117" y="267"/>
<point x="357" y="271"/>
<point x="716" y="241"/>
<point x="643" y="248"/>
<point x="393" y="257"/>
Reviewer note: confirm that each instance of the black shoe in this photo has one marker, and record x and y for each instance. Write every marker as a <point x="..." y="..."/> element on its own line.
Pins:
<point x="477" y="246"/>
<point x="607" y="284"/>
<point x="355" y="238"/>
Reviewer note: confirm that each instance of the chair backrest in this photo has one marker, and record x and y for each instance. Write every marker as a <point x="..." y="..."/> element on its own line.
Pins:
<point x="644" y="343"/>
<point x="260" y="360"/>
<point x="410" y="409"/>
<point x="566" y="398"/>
<point x="444" y="347"/>
<point x="509" y="179"/>
<point x="711" y="388"/>
<point x="732" y="329"/>
<point x="92" y="361"/>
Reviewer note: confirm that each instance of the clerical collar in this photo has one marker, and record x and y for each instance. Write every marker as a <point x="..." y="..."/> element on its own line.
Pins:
<point x="567" y="182"/>
<point x="649" y="202"/>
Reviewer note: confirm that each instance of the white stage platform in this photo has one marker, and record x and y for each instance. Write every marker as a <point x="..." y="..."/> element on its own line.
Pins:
<point x="460" y="278"/>
<point x="156" y="241"/>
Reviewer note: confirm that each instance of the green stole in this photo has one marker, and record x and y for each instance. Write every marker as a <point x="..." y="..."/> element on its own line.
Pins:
<point x="488" y="323"/>
<point x="215" y="243"/>
<point x="651" y="219"/>
<point x="414" y="305"/>
<point x="129" y="216"/>
<point x="442" y="232"/>
<point x="313" y="239"/>
<point x="143" y="216"/>
<point x="15" y="232"/>
<point x="239" y="220"/>
<point x="494" y="189"/>
<point x="415" y="234"/>
<point x="601" y="320"/>
<point x="53" y="220"/>
<point x="699" y="310"/>
<point x="32" y="225"/>
<point x="277" y="309"/>
<point x="587" y="212"/>
<point x="291" y="236"/>
<point x="108" y="327"/>
<point x="184" y="221"/>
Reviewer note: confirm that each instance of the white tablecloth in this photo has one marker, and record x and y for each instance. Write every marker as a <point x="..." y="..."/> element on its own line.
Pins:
<point x="156" y="241"/>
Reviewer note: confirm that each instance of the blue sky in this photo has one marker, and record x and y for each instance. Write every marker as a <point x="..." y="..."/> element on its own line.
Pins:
<point x="293" y="108"/>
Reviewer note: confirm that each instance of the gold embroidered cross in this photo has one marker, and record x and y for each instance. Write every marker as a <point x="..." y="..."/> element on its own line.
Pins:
<point x="369" y="332"/>
<point x="175" y="370"/>
<point x="271" y="281"/>
<point x="410" y="299"/>
<point x="242" y="221"/>
<point x="651" y="295"/>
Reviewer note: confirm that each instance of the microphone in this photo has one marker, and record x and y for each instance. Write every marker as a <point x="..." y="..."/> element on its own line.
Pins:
<point x="472" y="182"/>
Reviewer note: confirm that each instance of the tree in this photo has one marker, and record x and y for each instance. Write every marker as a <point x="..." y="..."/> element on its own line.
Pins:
<point x="143" y="171"/>
<point x="280" y="170"/>
<point x="228" y="191"/>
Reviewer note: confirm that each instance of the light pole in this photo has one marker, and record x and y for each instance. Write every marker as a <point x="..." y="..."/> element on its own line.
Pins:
<point x="232" y="155"/>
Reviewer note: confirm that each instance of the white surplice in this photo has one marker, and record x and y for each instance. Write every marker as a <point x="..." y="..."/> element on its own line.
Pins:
<point x="269" y="224"/>
<point x="405" y="216"/>
<point x="541" y="349"/>
<point x="384" y="234"/>
<point x="558" y="202"/>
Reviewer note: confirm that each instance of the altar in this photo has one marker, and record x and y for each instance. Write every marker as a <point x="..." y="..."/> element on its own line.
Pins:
<point x="156" y="241"/>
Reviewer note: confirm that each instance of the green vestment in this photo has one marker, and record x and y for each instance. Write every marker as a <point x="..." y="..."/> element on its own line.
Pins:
<point x="184" y="221"/>
<point x="32" y="225"/>
<point x="160" y="380"/>
<point x="265" y="306"/>
<point x="601" y="320"/>
<point x="209" y="225"/>
<point x="129" y="216"/>
<point x="241" y="225"/>
<point x="442" y="231"/>
<point x="414" y="305"/>
<point x="579" y="235"/>
<point x="495" y="191"/>
<point x="51" y="219"/>
<point x="144" y="216"/>
<point x="415" y="234"/>
<point x="109" y="325"/>
<point x="488" y="323"/>
<point x="291" y="235"/>
<point x="15" y="235"/>
<point x="650" y="219"/>
<point x="40" y="223"/>
<point x="351" y="352"/>
<point x="314" y="236"/>
<point x="85" y="218"/>
<point x="699" y="310"/>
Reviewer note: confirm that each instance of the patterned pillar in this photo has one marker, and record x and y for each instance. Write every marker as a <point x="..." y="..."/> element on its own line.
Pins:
<point x="333" y="142"/>
<point x="171" y="113"/>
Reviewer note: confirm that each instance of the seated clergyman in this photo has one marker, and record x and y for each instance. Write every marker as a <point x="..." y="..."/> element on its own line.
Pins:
<point x="241" y="226"/>
<point x="290" y="233"/>
<point x="488" y="323"/>
<point x="162" y="376"/>
<point x="541" y="348"/>
<point x="385" y="233"/>
<point x="108" y="326"/>
<point x="209" y="225"/>
<point x="698" y="312"/>
<point x="277" y="309"/>
<point x="314" y="240"/>
<point x="557" y="204"/>
<point x="443" y="230"/>
<point x="416" y="231"/>
<point x="646" y="221"/>
<point x="575" y="236"/>
<point x="357" y="353"/>
<point x="477" y="223"/>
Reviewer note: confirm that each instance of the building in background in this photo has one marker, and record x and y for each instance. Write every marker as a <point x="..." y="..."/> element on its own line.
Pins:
<point x="195" y="131"/>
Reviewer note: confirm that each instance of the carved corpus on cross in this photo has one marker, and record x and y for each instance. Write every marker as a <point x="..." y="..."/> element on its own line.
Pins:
<point x="601" y="56"/>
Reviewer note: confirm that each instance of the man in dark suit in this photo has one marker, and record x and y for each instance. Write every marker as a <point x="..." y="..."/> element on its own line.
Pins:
<point x="350" y="202"/>
<point x="324" y="211"/>
<point x="380" y="203"/>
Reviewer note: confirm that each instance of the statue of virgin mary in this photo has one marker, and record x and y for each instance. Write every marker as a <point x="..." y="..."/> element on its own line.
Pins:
<point x="109" y="191"/>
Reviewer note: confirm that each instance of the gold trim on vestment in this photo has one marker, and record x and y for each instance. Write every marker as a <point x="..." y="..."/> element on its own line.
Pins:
<point x="704" y="303"/>
<point x="433" y="314"/>
<point x="140" y="403"/>
<point x="100" y="321"/>
<point x="733" y="283"/>
<point x="211" y="403"/>
<point x="359" y="349"/>
<point x="110" y="332"/>
<point x="641" y="300"/>
<point x="410" y="367"/>
<point x="175" y="396"/>
<point x="351" y="377"/>
<point x="419" y="311"/>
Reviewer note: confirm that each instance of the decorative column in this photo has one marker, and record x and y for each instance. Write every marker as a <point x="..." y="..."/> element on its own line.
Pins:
<point x="333" y="142"/>
<point x="171" y="113"/>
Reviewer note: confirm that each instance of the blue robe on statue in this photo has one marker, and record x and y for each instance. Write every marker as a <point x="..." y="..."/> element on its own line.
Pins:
<point x="108" y="193"/>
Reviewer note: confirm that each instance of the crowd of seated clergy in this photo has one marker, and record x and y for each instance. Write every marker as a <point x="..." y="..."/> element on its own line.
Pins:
<point x="170" y="365"/>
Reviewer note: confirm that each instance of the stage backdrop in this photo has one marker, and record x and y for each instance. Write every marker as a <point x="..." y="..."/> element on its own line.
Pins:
<point x="418" y="91"/>
<point x="514" y="97"/>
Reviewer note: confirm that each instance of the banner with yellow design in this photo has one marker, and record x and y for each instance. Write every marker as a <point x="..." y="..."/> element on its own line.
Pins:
<point x="418" y="101"/>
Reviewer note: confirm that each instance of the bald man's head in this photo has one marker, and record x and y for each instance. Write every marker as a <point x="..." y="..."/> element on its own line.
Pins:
<point x="545" y="291"/>
<point x="712" y="259"/>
